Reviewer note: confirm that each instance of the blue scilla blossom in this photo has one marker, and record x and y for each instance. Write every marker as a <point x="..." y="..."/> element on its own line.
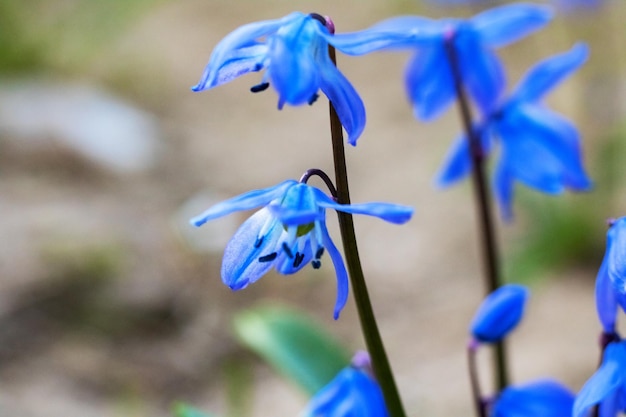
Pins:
<point x="611" y="278"/>
<point x="353" y="392"/>
<point x="539" y="148"/>
<point x="293" y="51"/>
<point x="542" y="398"/>
<point x="607" y="386"/>
<point x="288" y="233"/>
<point x="499" y="313"/>
<point x="429" y="80"/>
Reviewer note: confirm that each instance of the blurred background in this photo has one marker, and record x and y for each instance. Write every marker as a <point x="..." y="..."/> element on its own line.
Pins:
<point x="111" y="305"/>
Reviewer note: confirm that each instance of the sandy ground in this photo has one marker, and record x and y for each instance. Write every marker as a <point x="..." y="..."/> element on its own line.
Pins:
<point x="156" y="328"/>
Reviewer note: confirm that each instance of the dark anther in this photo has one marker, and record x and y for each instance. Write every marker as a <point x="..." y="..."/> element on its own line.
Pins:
<point x="259" y="87"/>
<point x="319" y="18"/>
<point x="319" y="253"/>
<point x="258" y="242"/>
<point x="258" y="67"/>
<point x="316" y="264"/>
<point x="298" y="259"/>
<point x="313" y="99"/>
<point x="269" y="257"/>
<point x="287" y="250"/>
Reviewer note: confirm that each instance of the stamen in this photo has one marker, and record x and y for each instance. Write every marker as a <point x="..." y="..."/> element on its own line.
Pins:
<point x="259" y="87"/>
<point x="316" y="264"/>
<point x="259" y="241"/>
<point x="313" y="99"/>
<point x="268" y="258"/>
<point x="287" y="250"/>
<point x="319" y="252"/>
<point x="298" y="260"/>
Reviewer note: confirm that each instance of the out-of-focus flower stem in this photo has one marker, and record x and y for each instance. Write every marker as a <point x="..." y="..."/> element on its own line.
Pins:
<point x="373" y="341"/>
<point x="483" y="203"/>
<point x="479" y="402"/>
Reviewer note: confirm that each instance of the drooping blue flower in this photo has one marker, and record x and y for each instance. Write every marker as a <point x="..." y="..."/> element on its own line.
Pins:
<point x="499" y="313"/>
<point x="539" y="148"/>
<point x="294" y="52"/>
<point x="429" y="80"/>
<point x="611" y="278"/>
<point x="607" y="386"/>
<point x="288" y="233"/>
<point x="543" y="398"/>
<point x="353" y="392"/>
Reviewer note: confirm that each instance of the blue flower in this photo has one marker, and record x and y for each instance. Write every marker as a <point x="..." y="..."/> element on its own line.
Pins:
<point x="429" y="80"/>
<point x="294" y="52"/>
<point x="353" y="392"/>
<point x="607" y="386"/>
<point x="611" y="278"/>
<point x="288" y="233"/>
<point x="543" y="398"/>
<point x="499" y="313"/>
<point x="540" y="148"/>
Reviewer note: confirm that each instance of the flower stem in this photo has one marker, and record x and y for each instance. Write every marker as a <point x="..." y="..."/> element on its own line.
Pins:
<point x="481" y="193"/>
<point x="373" y="341"/>
<point x="479" y="403"/>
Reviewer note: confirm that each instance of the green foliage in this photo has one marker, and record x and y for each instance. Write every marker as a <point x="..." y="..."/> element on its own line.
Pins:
<point x="183" y="410"/>
<point x="293" y="344"/>
<point x="38" y="35"/>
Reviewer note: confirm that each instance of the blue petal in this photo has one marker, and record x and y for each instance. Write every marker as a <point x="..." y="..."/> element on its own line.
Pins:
<point x="342" y="95"/>
<point x="393" y="213"/>
<point x="606" y="303"/>
<point x="481" y="70"/>
<point x="245" y="201"/>
<point x="604" y="382"/>
<point x="458" y="162"/>
<point x="239" y="62"/>
<point x="505" y="24"/>
<point x="499" y="313"/>
<point x="239" y="38"/>
<point x="541" y="149"/>
<point x="429" y="82"/>
<point x="503" y="188"/>
<point x="542" y="398"/>
<point x="297" y="207"/>
<point x="548" y="73"/>
<point x="293" y="71"/>
<point x="351" y="393"/>
<point x="340" y="270"/>
<point x="394" y="33"/>
<point x="616" y="255"/>
<point x="240" y="264"/>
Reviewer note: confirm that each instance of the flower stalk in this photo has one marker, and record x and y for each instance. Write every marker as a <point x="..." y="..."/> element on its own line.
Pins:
<point x="373" y="341"/>
<point x="481" y="193"/>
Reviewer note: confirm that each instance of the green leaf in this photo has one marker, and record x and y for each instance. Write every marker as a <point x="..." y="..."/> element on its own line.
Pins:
<point x="293" y="344"/>
<point x="183" y="410"/>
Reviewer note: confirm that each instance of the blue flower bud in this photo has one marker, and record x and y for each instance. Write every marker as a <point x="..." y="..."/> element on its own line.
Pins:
<point x="499" y="313"/>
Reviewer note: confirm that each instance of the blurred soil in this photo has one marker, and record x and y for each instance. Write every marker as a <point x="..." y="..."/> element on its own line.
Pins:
<point x="110" y="305"/>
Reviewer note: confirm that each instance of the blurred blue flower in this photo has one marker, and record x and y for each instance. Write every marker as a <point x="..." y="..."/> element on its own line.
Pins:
<point x="540" y="148"/>
<point x="565" y="4"/>
<point x="607" y="386"/>
<point x="543" y="398"/>
<point x="288" y="233"/>
<point x="353" y="392"/>
<point x="429" y="81"/>
<point x="294" y="52"/>
<point x="499" y="313"/>
<point x="611" y="278"/>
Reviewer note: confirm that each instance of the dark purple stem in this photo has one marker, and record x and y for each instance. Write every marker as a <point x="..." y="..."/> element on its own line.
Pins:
<point x="481" y="192"/>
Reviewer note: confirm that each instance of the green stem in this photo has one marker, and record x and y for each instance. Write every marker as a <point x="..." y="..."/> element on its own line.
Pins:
<point x="373" y="341"/>
<point x="481" y="192"/>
